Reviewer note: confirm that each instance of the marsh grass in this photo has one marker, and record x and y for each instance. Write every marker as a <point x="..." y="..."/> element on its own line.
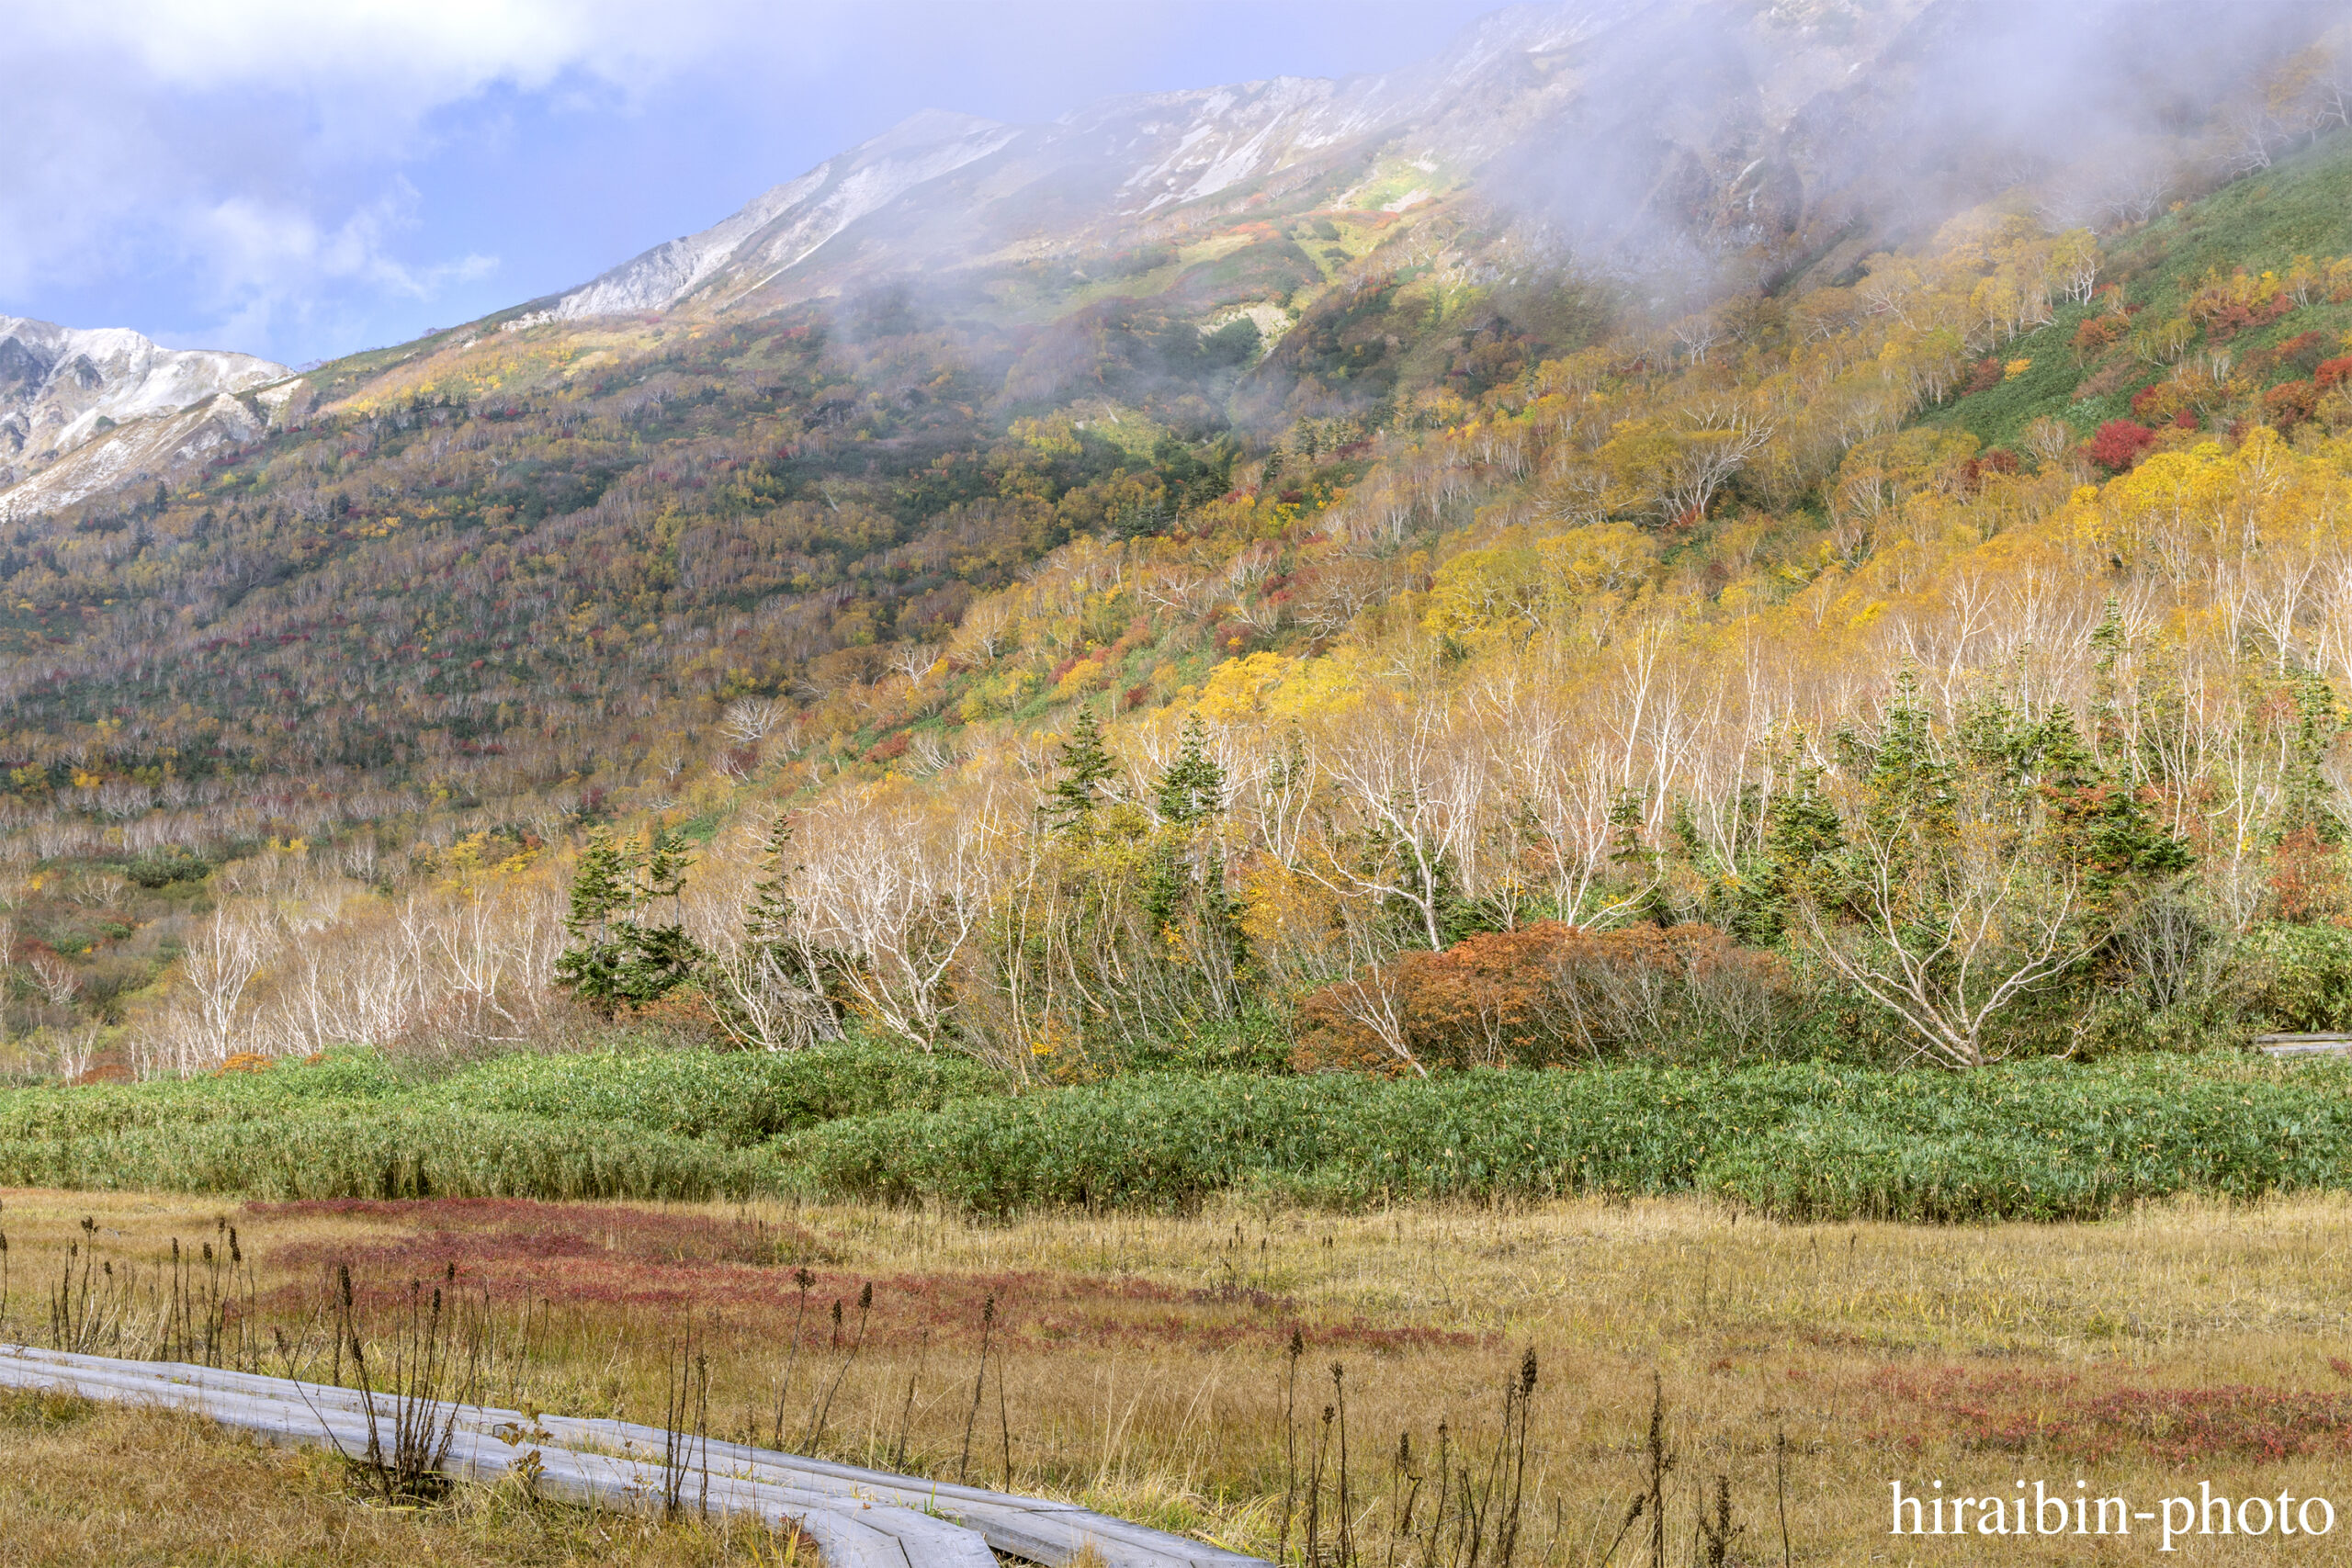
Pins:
<point x="196" y="1305"/>
<point x="424" y="1364"/>
<point x="89" y="1484"/>
<point x="1691" y="1356"/>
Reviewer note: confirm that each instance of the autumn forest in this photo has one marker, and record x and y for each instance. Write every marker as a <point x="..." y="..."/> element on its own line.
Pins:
<point x="1941" y="660"/>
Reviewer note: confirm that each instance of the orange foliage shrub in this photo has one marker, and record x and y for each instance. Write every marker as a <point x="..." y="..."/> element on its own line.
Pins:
<point x="2097" y="332"/>
<point x="1489" y="1001"/>
<point x="1349" y="1026"/>
<point x="2307" y="883"/>
<point x="687" y="1013"/>
<point x="1549" y="994"/>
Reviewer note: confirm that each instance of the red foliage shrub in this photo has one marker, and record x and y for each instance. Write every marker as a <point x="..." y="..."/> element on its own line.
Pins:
<point x="1986" y="375"/>
<point x="2225" y="318"/>
<point x="2328" y="372"/>
<point x="888" y="749"/>
<point x="2118" y="444"/>
<point x="1999" y="461"/>
<point x="2289" y="403"/>
<point x="2299" y="353"/>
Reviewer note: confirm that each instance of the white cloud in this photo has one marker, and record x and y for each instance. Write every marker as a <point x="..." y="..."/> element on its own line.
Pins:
<point x="248" y="241"/>
<point x="427" y="51"/>
<point x="257" y="144"/>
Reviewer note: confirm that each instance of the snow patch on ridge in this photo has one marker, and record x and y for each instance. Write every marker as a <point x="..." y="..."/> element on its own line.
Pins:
<point x="786" y="223"/>
<point x="137" y="453"/>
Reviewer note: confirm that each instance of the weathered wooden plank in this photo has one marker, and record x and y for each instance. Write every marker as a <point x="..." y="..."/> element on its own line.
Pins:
<point x="927" y="1524"/>
<point x="844" y="1536"/>
<point x="2283" y="1045"/>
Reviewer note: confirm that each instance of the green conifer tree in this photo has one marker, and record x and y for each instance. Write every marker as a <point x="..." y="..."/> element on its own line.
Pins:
<point x="662" y="957"/>
<point x="603" y="893"/>
<point x="1183" y="890"/>
<point x="1192" y="789"/>
<point x="767" y="919"/>
<point x="614" y="956"/>
<point x="2097" y="820"/>
<point x="1086" y="767"/>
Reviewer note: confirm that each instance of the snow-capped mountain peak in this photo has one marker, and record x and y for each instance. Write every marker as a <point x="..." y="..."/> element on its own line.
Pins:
<point x="60" y="386"/>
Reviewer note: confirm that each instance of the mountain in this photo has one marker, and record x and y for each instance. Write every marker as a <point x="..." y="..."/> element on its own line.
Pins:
<point x="62" y="387"/>
<point x="1615" y="317"/>
<point x="1664" y="136"/>
<point x="84" y="412"/>
<point x="969" y="196"/>
<point x="1666" y="150"/>
<point x="779" y="458"/>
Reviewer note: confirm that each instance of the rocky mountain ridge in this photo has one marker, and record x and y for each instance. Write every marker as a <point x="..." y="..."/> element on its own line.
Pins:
<point x="1632" y="134"/>
<point x="1674" y="149"/>
<point x="62" y="387"/>
<point x="952" y="191"/>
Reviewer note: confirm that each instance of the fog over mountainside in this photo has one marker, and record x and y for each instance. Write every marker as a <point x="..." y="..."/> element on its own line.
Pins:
<point x="1676" y="149"/>
<point x="1647" y="134"/>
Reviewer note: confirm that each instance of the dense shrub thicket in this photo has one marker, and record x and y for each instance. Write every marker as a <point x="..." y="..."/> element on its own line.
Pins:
<point x="400" y="1151"/>
<point x="2041" y="1140"/>
<point x="738" y="1099"/>
<point x="734" y="1098"/>
<point x="2035" y="1140"/>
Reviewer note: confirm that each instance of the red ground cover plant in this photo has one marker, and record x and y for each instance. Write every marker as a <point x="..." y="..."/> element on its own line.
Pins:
<point x="633" y="1259"/>
<point x="2017" y="1412"/>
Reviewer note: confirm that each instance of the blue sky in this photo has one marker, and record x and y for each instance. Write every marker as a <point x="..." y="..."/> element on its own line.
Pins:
<point x="300" y="181"/>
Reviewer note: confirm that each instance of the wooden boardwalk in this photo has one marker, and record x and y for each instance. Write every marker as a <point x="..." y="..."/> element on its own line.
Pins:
<point x="2285" y="1046"/>
<point x="855" y="1518"/>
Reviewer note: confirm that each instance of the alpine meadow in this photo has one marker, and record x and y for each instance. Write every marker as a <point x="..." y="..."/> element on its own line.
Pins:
<point x="1544" y="809"/>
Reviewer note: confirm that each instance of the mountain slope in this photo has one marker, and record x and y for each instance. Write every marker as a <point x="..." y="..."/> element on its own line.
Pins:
<point x="145" y="451"/>
<point x="953" y="190"/>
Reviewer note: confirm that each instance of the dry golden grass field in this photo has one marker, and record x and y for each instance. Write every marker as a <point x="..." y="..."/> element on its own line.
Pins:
<point x="1145" y="1366"/>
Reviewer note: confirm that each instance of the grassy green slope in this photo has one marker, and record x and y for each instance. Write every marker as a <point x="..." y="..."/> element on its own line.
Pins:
<point x="2300" y="207"/>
